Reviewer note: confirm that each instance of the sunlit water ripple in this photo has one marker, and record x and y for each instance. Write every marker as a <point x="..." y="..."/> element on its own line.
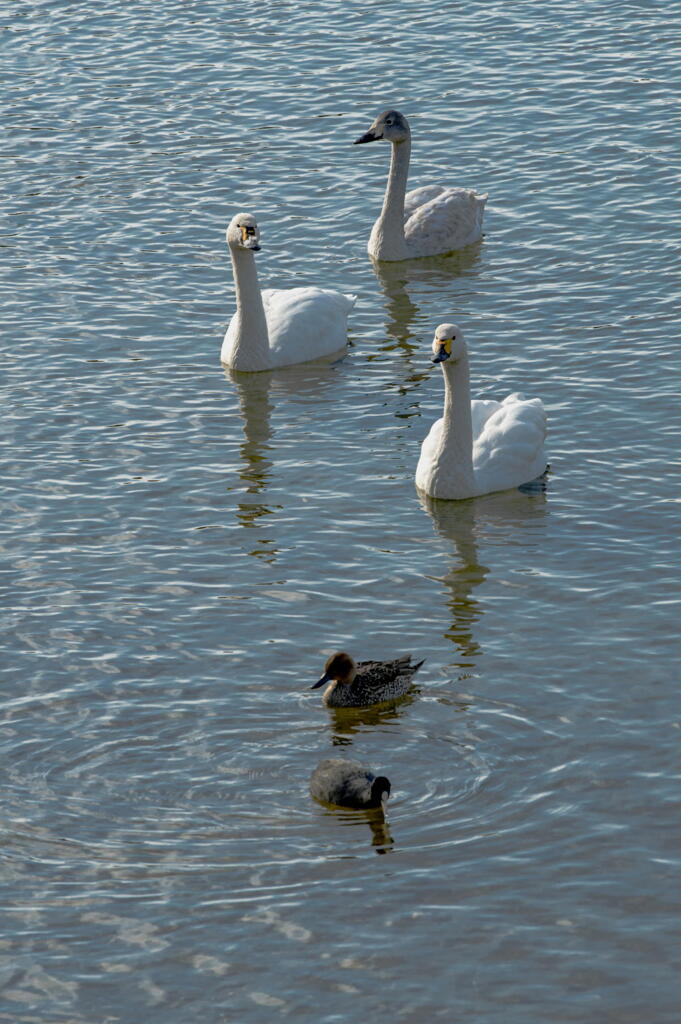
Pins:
<point x="182" y="545"/>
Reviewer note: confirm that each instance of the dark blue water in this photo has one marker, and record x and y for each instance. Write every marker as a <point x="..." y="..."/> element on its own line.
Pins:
<point x="182" y="548"/>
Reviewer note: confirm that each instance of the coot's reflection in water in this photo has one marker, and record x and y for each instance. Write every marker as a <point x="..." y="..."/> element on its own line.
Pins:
<point x="504" y="518"/>
<point x="381" y="836"/>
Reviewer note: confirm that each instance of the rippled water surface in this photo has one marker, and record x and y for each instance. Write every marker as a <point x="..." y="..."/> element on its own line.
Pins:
<point x="182" y="547"/>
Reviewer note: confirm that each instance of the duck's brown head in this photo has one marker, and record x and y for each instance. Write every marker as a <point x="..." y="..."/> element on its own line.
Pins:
<point x="339" y="667"/>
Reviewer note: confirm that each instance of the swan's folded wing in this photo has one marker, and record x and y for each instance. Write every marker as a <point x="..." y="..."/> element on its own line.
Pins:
<point x="298" y="302"/>
<point x="419" y="196"/>
<point x="449" y="220"/>
<point x="510" y="449"/>
<point x="481" y="410"/>
<point x="306" y="323"/>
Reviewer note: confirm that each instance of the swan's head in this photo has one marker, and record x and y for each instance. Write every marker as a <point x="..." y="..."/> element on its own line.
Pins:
<point x="448" y="343"/>
<point x="339" y="666"/>
<point x="390" y="125"/>
<point x="243" y="232"/>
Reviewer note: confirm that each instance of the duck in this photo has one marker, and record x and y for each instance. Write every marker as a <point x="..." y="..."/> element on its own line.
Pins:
<point x="274" y="327"/>
<point x="426" y="221"/>
<point x="348" y="784"/>
<point x="479" y="446"/>
<point x="360" y="684"/>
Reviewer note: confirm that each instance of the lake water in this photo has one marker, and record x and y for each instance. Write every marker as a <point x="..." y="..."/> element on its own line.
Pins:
<point x="182" y="548"/>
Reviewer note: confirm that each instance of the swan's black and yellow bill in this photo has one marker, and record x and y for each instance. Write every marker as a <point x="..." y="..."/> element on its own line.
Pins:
<point x="444" y="352"/>
<point x="248" y="233"/>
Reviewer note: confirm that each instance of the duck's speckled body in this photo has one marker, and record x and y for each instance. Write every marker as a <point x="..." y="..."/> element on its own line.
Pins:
<point x="348" y="784"/>
<point x="360" y="684"/>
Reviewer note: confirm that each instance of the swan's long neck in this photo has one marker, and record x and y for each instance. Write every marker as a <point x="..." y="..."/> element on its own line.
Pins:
<point x="387" y="238"/>
<point x="251" y="349"/>
<point x="455" y="457"/>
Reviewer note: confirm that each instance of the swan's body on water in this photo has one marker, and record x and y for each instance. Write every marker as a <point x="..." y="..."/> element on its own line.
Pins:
<point x="360" y="684"/>
<point x="479" y="446"/>
<point x="348" y="784"/>
<point x="427" y="221"/>
<point x="274" y="327"/>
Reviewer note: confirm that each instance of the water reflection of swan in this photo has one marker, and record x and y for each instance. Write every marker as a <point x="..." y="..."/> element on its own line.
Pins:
<point x="435" y="272"/>
<point x="256" y="393"/>
<point x="464" y="523"/>
<point x="253" y="391"/>
<point x="255" y="407"/>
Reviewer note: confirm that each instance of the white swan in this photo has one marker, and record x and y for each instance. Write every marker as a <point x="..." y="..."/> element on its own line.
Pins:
<point x="426" y="221"/>
<point x="277" y="328"/>
<point x="481" y="446"/>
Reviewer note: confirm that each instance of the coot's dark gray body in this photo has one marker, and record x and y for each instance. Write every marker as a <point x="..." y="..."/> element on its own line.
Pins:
<point x="348" y="784"/>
